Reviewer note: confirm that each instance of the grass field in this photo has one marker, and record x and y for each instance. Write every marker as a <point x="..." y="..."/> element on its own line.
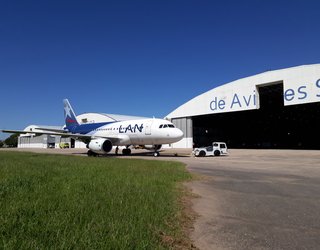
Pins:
<point x="70" y="202"/>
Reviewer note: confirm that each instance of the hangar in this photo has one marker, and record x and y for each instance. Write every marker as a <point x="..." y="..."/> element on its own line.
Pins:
<point x="274" y="109"/>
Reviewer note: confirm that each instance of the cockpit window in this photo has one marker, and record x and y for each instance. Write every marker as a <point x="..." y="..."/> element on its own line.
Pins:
<point x="166" y="126"/>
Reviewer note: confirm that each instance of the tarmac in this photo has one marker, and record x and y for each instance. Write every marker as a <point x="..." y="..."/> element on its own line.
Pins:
<point x="250" y="199"/>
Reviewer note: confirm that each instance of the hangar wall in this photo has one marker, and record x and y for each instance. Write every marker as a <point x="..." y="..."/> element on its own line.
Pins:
<point x="41" y="141"/>
<point x="32" y="141"/>
<point x="185" y="124"/>
<point x="46" y="141"/>
<point x="300" y="86"/>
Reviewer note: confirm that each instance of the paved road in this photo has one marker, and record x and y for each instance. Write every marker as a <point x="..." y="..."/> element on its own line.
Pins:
<point x="258" y="200"/>
<point x="255" y="199"/>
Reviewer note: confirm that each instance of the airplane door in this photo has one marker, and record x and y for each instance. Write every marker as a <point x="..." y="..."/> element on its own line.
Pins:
<point x="148" y="128"/>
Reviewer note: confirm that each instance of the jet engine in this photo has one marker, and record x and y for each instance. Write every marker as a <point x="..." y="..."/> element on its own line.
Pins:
<point x="100" y="146"/>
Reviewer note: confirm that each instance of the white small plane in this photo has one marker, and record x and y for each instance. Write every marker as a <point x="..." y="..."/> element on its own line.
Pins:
<point x="100" y="137"/>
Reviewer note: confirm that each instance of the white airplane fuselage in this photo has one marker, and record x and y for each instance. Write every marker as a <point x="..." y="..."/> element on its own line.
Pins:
<point x="139" y="132"/>
<point x="149" y="133"/>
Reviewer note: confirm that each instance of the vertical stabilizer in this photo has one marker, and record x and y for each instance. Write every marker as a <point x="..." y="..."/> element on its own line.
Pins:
<point x="69" y="116"/>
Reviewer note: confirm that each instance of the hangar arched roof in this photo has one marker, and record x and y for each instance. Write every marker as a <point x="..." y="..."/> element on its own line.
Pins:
<point x="301" y="84"/>
<point x="36" y="128"/>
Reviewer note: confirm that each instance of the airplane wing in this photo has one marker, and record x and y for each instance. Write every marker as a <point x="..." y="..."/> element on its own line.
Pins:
<point x="64" y="134"/>
<point x="45" y="133"/>
<point x="53" y="130"/>
<point x="19" y="131"/>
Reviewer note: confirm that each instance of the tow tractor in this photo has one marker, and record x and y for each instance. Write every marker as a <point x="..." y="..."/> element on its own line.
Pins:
<point x="217" y="149"/>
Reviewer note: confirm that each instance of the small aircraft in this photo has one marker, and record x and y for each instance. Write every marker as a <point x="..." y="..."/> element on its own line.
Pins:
<point x="100" y="137"/>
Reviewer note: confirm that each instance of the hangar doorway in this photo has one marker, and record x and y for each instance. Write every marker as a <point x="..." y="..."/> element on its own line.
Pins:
<point x="272" y="126"/>
<point x="72" y="143"/>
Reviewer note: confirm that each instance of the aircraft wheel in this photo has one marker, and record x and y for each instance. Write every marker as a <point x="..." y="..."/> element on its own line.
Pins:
<point x="91" y="153"/>
<point x="126" y="151"/>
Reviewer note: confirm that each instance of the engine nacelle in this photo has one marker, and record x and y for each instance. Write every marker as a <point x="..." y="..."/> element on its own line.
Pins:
<point x="100" y="146"/>
<point x="152" y="147"/>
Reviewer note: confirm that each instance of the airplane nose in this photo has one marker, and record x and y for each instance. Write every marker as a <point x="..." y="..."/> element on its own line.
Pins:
<point x="178" y="134"/>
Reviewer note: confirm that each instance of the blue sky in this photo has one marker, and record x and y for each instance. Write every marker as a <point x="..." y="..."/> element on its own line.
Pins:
<point x="142" y="58"/>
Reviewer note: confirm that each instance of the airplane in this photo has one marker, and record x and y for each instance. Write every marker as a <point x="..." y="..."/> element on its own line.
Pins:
<point x="100" y="137"/>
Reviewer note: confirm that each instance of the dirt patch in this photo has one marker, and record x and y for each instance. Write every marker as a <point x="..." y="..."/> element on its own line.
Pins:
<point x="188" y="217"/>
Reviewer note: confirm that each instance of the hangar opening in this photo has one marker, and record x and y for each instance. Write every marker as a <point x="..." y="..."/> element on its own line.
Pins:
<point x="272" y="126"/>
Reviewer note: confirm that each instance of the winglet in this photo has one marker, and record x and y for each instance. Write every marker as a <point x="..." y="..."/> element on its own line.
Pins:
<point x="69" y="116"/>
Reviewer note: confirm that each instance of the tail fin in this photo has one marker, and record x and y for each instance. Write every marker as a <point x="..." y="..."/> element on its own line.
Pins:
<point x="69" y="115"/>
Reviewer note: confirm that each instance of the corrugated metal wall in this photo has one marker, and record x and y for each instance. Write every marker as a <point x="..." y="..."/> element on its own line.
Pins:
<point x="185" y="124"/>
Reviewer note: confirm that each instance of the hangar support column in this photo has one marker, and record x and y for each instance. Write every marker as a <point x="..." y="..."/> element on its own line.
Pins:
<point x="186" y="125"/>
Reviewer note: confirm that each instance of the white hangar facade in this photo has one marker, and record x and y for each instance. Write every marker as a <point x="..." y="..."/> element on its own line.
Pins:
<point x="274" y="109"/>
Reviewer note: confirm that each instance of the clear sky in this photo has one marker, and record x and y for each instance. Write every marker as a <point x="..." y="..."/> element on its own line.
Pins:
<point x="138" y="57"/>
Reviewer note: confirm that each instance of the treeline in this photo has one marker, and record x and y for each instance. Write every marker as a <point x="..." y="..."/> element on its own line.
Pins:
<point x="11" y="141"/>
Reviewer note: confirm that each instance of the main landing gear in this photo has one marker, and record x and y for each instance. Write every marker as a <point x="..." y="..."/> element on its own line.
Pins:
<point x="126" y="151"/>
<point x="156" y="154"/>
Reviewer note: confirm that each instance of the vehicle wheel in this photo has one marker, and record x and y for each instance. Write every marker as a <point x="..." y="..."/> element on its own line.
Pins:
<point x="216" y="153"/>
<point x="156" y="154"/>
<point x="202" y="154"/>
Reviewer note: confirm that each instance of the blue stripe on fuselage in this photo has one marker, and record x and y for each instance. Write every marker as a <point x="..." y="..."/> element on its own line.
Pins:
<point x="86" y="128"/>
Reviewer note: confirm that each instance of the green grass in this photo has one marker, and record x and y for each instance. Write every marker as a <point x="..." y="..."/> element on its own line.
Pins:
<point x="68" y="202"/>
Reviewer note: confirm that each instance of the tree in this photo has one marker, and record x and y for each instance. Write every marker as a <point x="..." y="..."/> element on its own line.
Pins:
<point x="12" y="140"/>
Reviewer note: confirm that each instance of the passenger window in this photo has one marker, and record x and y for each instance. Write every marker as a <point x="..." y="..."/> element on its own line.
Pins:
<point x="222" y="145"/>
<point x="215" y="145"/>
